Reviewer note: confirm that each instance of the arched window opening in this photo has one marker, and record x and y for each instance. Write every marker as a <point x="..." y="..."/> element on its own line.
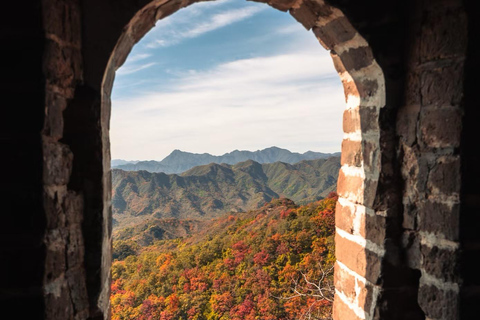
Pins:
<point x="199" y="111"/>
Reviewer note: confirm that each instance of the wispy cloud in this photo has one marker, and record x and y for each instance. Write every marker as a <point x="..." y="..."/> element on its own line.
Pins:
<point x="291" y="100"/>
<point x="127" y="69"/>
<point x="174" y="32"/>
<point x="139" y="57"/>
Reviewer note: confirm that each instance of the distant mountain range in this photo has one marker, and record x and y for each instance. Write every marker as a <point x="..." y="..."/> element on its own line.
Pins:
<point x="180" y="161"/>
<point x="209" y="191"/>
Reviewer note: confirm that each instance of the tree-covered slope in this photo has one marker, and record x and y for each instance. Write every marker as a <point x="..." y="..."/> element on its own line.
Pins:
<point x="209" y="191"/>
<point x="263" y="264"/>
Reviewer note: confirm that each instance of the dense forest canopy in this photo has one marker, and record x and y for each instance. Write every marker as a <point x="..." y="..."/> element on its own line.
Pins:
<point x="272" y="263"/>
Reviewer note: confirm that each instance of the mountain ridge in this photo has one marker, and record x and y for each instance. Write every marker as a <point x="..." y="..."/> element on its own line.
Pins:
<point x="211" y="190"/>
<point x="180" y="161"/>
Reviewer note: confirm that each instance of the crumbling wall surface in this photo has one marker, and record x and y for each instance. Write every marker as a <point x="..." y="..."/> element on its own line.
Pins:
<point x="429" y="127"/>
<point x="64" y="278"/>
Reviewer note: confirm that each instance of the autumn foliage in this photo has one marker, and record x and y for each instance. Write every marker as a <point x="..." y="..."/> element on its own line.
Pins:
<point x="267" y="264"/>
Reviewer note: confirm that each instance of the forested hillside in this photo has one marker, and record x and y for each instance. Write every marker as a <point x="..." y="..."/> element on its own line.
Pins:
<point x="272" y="263"/>
<point x="209" y="191"/>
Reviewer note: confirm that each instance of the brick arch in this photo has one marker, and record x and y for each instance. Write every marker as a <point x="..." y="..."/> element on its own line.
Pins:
<point x="364" y="87"/>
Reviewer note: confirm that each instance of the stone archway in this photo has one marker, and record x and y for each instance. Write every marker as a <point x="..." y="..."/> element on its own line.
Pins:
<point x="364" y="88"/>
<point x="397" y="226"/>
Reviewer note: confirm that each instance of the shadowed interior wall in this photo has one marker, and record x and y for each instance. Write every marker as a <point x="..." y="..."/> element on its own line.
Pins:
<point x="407" y="220"/>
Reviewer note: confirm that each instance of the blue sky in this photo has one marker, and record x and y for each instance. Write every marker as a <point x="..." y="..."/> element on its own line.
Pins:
<point x="225" y="75"/>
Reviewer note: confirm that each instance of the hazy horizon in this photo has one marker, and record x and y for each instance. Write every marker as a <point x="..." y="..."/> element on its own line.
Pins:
<point x="301" y="152"/>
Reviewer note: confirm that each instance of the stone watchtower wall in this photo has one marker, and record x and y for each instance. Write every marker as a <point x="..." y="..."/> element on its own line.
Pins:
<point x="408" y="215"/>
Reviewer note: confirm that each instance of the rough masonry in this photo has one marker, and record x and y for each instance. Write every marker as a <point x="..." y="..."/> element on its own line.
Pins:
<point x="407" y="239"/>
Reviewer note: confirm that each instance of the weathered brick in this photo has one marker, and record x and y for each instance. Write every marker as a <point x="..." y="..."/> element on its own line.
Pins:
<point x="375" y="229"/>
<point x="357" y="58"/>
<point x="412" y="93"/>
<point x="344" y="282"/>
<point x="55" y="263"/>
<point x="63" y="65"/>
<point x="371" y="152"/>
<point x="54" y="115"/>
<point x="309" y="12"/>
<point x="445" y="176"/>
<point x="357" y="258"/>
<point x="444" y="34"/>
<point x="351" y="121"/>
<point x="142" y="23"/>
<point x="437" y="303"/>
<point x="369" y="119"/>
<point x="282" y="5"/>
<point x="343" y="311"/>
<point x="439" y="218"/>
<point x="370" y="192"/>
<point x="440" y="263"/>
<point x="58" y="164"/>
<point x="407" y="120"/>
<point x="62" y="19"/>
<point x="344" y="216"/>
<point x="76" y="283"/>
<point x="123" y="48"/>
<point x="351" y="153"/>
<point x="441" y="128"/>
<point x="350" y="186"/>
<point x="335" y="32"/>
<point x="169" y="8"/>
<point x="58" y="301"/>
<point x="443" y="85"/>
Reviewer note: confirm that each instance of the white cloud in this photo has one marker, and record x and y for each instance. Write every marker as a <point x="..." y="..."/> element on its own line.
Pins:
<point x="292" y="100"/>
<point x="138" y="57"/>
<point x="127" y="69"/>
<point x="173" y="31"/>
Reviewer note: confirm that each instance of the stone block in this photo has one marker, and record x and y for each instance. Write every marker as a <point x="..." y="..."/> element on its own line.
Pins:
<point x="445" y="176"/>
<point x="282" y="5"/>
<point x="335" y="32"/>
<point x="442" y="85"/>
<point x="369" y="119"/>
<point x="63" y="20"/>
<point x="413" y="94"/>
<point x="440" y="219"/>
<point x="55" y="104"/>
<point x="357" y="58"/>
<point x="62" y="66"/>
<point x="142" y="23"/>
<point x="371" y="152"/>
<point x="357" y="258"/>
<point x="57" y="163"/>
<point x="309" y="11"/>
<point x="440" y="263"/>
<point x="55" y="263"/>
<point x="58" y="303"/>
<point x="444" y="33"/>
<point x="351" y="121"/>
<point x="342" y="311"/>
<point x="438" y="303"/>
<point x="350" y="187"/>
<point x="351" y="153"/>
<point x="441" y="128"/>
<point x="407" y="121"/>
